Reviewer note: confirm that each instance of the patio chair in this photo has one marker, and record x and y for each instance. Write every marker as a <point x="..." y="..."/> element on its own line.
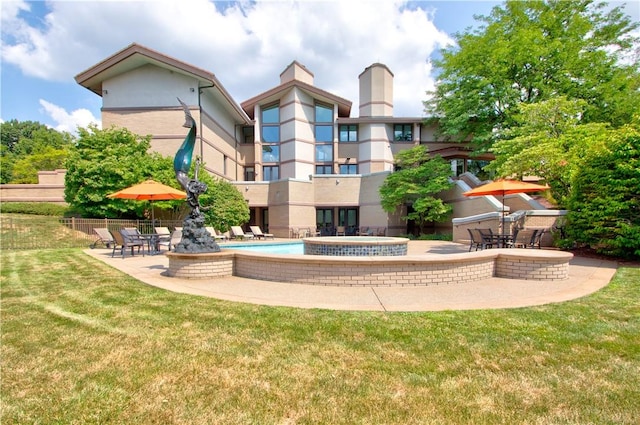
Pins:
<point x="238" y="233"/>
<point x="537" y="240"/>
<point x="340" y="231"/>
<point x="104" y="237"/>
<point x="215" y="235"/>
<point x="176" y="237"/>
<point x="382" y="231"/>
<point x="479" y="240"/>
<point x="163" y="237"/>
<point x="257" y="232"/>
<point x="128" y="238"/>
<point x="524" y="238"/>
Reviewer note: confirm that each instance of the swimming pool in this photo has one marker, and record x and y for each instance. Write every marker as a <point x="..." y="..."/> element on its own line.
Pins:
<point x="268" y="248"/>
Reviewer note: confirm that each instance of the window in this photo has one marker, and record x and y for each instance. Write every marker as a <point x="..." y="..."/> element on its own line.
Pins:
<point x="323" y="131"/>
<point x="271" y="135"/>
<point x="270" y="153"/>
<point x="248" y="135"/>
<point x="348" y="169"/>
<point x="270" y="173"/>
<point x="249" y="174"/>
<point x="403" y="132"/>
<point x="324" y="169"/>
<point x="348" y="132"/>
<point x="324" y="153"/>
<point x="324" y="113"/>
<point x="271" y="114"/>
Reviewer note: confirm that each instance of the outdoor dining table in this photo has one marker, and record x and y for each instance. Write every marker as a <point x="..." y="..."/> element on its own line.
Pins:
<point x="153" y="241"/>
<point x="501" y="241"/>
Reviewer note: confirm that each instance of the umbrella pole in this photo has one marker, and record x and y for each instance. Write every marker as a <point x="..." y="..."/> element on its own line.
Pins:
<point x="502" y="229"/>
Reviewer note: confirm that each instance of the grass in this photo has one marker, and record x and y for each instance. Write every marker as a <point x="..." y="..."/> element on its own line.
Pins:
<point x="83" y="343"/>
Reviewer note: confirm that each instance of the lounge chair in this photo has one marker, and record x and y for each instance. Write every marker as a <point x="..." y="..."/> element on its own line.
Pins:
<point x="257" y="232"/>
<point x="238" y="233"/>
<point x="104" y="237"/>
<point x="215" y="235"/>
<point x="128" y="238"/>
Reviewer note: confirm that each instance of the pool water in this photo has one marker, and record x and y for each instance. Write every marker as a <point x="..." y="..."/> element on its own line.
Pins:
<point x="268" y="248"/>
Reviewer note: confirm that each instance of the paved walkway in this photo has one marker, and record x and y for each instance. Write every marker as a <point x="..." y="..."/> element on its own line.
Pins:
<point x="586" y="275"/>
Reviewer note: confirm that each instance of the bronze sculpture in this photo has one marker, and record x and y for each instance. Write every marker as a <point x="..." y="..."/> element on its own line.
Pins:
<point x="195" y="238"/>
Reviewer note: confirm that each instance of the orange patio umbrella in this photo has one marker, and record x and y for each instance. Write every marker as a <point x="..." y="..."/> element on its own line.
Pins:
<point x="505" y="187"/>
<point x="149" y="190"/>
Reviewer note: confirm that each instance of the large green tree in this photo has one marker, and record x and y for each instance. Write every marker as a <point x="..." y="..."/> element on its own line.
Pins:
<point x="417" y="181"/>
<point x="605" y="200"/>
<point x="531" y="51"/>
<point x="547" y="140"/>
<point x="28" y="147"/>
<point x="105" y="161"/>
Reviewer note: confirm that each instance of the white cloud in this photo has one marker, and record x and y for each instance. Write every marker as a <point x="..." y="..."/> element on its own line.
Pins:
<point x="68" y="122"/>
<point x="247" y="45"/>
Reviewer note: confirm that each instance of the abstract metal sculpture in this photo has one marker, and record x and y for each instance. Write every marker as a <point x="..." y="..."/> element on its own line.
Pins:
<point x="195" y="238"/>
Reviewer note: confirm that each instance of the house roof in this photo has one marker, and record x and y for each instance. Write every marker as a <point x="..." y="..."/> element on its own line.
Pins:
<point x="344" y="106"/>
<point x="136" y="55"/>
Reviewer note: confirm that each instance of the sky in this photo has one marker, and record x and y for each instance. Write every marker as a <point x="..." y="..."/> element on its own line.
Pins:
<point x="246" y="44"/>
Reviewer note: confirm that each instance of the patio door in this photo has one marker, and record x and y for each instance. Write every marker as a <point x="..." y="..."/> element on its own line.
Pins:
<point x="348" y="217"/>
<point x="324" y="221"/>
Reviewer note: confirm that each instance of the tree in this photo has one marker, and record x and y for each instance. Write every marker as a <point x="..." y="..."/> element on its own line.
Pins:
<point x="418" y="177"/>
<point x="105" y="161"/>
<point x="28" y="147"/>
<point x="223" y="204"/>
<point x="547" y="140"/>
<point x="531" y="51"/>
<point x="605" y="201"/>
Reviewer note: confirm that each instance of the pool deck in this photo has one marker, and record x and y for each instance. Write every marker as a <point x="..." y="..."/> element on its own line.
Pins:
<point x="586" y="276"/>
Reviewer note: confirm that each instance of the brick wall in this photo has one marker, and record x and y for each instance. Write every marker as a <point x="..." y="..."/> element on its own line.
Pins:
<point x="527" y="264"/>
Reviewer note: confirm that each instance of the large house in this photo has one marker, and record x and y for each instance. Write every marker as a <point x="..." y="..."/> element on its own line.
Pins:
<point x="295" y="152"/>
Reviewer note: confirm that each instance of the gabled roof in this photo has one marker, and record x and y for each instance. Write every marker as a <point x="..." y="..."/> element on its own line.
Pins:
<point x="344" y="106"/>
<point x="136" y="55"/>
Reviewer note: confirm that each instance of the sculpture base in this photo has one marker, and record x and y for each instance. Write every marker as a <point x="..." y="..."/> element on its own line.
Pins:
<point x="200" y="266"/>
<point x="195" y="238"/>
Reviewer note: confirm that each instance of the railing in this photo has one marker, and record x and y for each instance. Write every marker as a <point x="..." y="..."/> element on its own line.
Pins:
<point x="38" y="232"/>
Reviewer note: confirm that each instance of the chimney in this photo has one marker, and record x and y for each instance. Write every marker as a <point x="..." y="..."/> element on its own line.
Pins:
<point x="296" y="71"/>
<point x="376" y="91"/>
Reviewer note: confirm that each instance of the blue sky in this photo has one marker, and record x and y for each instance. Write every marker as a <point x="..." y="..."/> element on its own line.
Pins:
<point x="247" y="44"/>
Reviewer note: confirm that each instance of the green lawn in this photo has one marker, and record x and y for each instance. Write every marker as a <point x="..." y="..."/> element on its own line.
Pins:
<point x="83" y="343"/>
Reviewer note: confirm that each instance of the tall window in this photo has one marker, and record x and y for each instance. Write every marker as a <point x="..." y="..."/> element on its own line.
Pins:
<point x="403" y="132"/>
<point x="348" y="132"/>
<point x="324" y="134"/>
<point x="271" y="133"/>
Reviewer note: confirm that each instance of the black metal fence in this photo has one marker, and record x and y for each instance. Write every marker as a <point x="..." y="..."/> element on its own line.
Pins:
<point x="39" y="232"/>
